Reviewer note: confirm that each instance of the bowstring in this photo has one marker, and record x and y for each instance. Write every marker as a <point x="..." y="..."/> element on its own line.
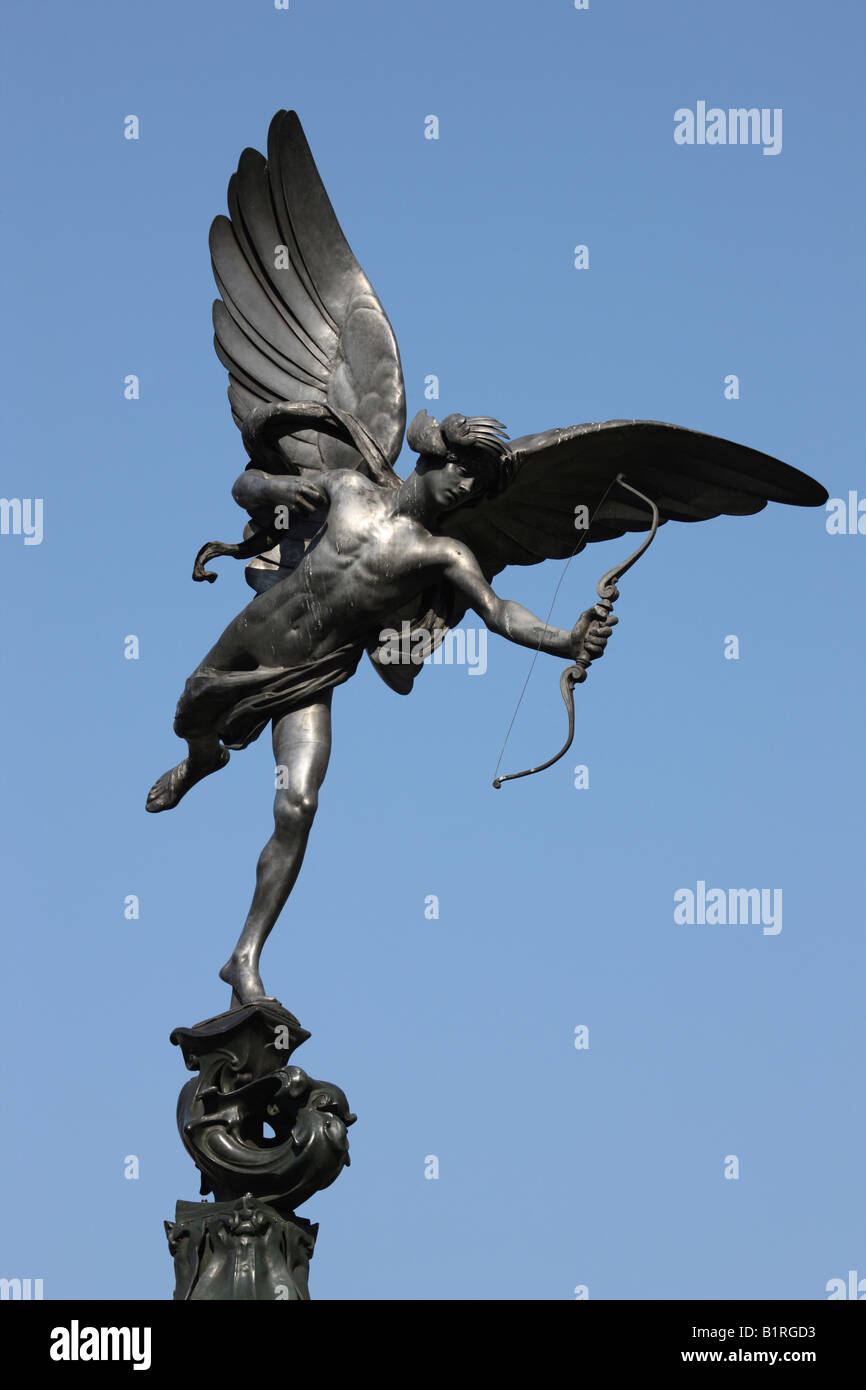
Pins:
<point x="579" y="546"/>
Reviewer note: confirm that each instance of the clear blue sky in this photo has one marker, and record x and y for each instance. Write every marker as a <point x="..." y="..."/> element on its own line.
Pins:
<point x="558" y="1167"/>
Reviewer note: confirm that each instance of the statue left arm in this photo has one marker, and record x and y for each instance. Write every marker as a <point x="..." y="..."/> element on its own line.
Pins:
<point x="587" y="638"/>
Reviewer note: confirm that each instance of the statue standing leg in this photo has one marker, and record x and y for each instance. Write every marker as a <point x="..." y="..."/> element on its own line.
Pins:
<point x="302" y="748"/>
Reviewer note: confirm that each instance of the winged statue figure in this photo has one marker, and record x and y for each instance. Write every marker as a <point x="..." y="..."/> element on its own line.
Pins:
<point x="342" y="551"/>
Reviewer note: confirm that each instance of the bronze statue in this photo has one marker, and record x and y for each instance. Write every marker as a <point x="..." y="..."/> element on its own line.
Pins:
<point x="342" y="550"/>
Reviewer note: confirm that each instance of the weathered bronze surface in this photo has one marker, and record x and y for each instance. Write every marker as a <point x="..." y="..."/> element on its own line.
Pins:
<point x="248" y="1243"/>
<point x="342" y="552"/>
<point x="342" y="549"/>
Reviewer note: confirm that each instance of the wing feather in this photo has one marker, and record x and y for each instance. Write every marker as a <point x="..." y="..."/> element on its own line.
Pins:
<point x="241" y="401"/>
<point x="232" y="333"/>
<point x="298" y="320"/>
<point x="274" y="375"/>
<point x="252" y="215"/>
<point x="250" y="306"/>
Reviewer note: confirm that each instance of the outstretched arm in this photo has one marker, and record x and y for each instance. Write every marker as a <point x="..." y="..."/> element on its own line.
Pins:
<point x="587" y="638"/>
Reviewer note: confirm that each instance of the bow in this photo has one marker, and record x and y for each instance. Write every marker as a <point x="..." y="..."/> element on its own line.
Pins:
<point x="575" y="674"/>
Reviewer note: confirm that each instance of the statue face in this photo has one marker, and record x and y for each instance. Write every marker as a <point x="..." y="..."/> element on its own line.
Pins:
<point x="450" y="485"/>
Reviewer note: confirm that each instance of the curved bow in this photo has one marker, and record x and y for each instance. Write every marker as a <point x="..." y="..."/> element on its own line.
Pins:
<point x="575" y="674"/>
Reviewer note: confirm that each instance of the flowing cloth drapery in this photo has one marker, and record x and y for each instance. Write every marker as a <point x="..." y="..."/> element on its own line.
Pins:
<point x="237" y="705"/>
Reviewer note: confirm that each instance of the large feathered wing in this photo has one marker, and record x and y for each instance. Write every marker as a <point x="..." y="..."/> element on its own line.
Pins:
<point x="691" y="477"/>
<point x="299" y="324"/>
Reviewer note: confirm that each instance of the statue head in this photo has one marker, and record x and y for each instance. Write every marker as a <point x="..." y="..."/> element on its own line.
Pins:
<point x="462" y="460"/>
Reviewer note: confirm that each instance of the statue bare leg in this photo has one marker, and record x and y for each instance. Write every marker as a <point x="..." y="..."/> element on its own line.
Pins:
<point x="302" y="748"/>
<point x="206" y="755"/>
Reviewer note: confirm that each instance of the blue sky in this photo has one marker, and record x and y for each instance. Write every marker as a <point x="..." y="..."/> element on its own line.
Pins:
<point x="558" y="1167"/>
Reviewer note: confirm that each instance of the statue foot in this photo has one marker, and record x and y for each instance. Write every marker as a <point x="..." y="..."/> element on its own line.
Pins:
<point x="175" y="783"/>
<point x="245" y="980"/>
